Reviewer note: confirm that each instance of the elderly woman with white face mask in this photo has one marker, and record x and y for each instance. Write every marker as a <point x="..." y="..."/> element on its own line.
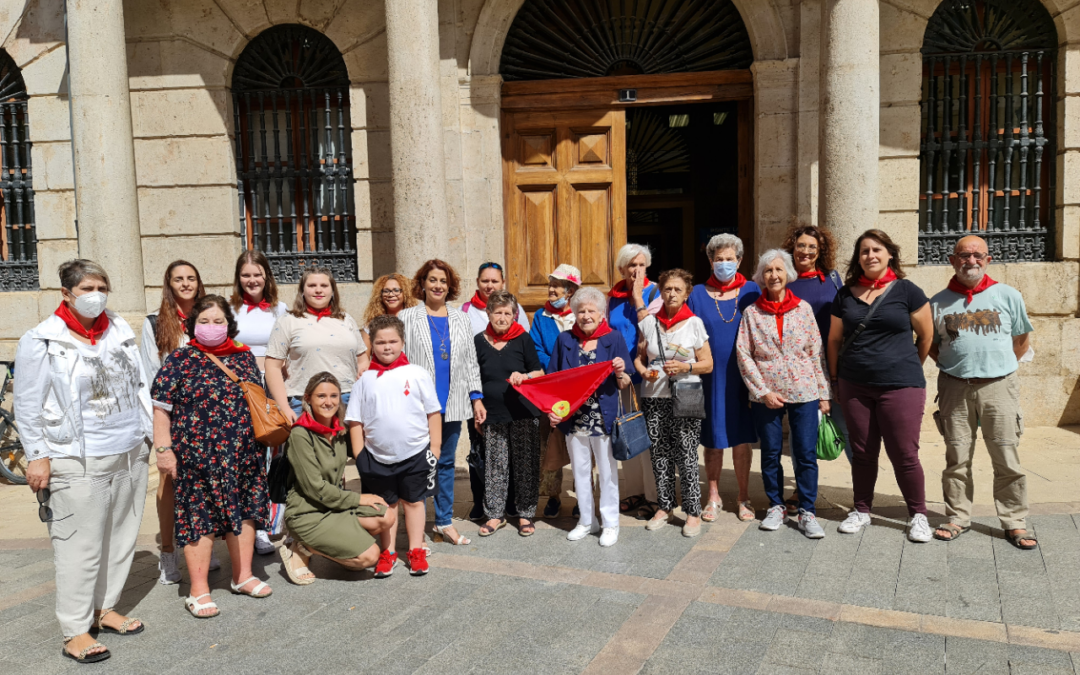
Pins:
<point x="720" y="303"/>
<point x="83" y="406"/>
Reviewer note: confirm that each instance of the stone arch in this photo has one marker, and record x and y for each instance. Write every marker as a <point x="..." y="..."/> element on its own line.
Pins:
<point x="760" y="16"/>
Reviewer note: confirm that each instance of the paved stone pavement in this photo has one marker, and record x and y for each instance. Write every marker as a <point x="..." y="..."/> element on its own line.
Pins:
<point x="734" y="600"/>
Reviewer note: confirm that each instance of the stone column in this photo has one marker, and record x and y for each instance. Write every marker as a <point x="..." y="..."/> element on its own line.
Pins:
<point x="849" y="120"/>
<point x="106" y="199"/>
<point x="416" y="136"/>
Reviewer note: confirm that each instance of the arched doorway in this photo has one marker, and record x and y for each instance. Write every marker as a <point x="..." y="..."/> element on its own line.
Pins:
<point x="623" y="122"/>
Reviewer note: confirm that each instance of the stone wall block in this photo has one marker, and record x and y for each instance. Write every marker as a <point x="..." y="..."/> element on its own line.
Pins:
<point x="172" y="211"/>
<point x="51" y="254"/>
<point x="383" y="253"/>
<point x="354" y="298"/>
<point x="371" y="154"/>
<point x="317" y="13"/>
<point x="776" y="86"/>
<point x="249" y="15"/>
<point x="903" y="227"/>
<point x="54" y="214"/>
<point x="282" y="11"/>
<point x="205" y="23"/>
<point x="215" y="256"/>
<point x="375" y="205"/>
<point x="1068" y="231"/>
<point x="355" y="21"/>
<point x="52" y="166"/>
<point x="452" y="153"/>
<point x="364" y="256"/>
<point x="776" y="140"/>
<point x="898" y="184"/>
<point x="20" y="312"/>
<point x="1046" y="339"/>
<point x="1070" y="346"/>
<point x="174" y="63"/>
<point x="1047" y="401"/>
<point x="1068" y="165"/>
<point x="50" y="119"/>
<point x="901" y="131"/>
<point x="1048" y="287"/>
<point x="901" y="78"/>
<point x="10" y="13"/>
<point x="370" y="104"/>
<point x="40" y="29"/>
<point x="367" y="61"/>
<point x="47" y="76"/>
<point x="1068" y="25"/>
<point x="181" y="112"/>
<point x="901" y="30"/>
<point x="185" y="161"/>
<point x="930" y="278"/>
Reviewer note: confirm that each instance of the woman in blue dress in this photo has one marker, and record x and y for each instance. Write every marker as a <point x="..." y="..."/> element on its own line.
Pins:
<point x="719" y="303"/>
<point x="628" y="304"/>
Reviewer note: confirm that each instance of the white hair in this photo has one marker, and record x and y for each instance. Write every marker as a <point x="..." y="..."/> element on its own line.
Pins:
<point x="629" y="252"/>
<point x="588" y="295"/>
<point x="722" y="241"/>
<point x="767" y="257"/>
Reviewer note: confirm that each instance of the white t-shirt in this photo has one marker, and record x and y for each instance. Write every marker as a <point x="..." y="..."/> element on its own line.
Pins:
<point x="679" y="345"/>
<point x="309" y="347"/>
<point x="255" y="326"/>
<point x="479" y="318"/>
<point x="108" y="384"/>
<point x="394" y="410"/>
<point x="148" y="348"/>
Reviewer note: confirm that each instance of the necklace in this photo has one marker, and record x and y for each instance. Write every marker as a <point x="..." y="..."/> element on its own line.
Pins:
<point x="442" y="337"/>
<point x="734" y="313"/>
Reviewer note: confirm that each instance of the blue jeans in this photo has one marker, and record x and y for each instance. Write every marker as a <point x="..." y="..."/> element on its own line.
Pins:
<point x="297" y="403"/>
<point x="769" y="423"/>
<point x="444" y="493"/>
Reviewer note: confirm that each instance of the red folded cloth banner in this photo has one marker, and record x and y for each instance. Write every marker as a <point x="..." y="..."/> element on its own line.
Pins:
<point x="563" y="392"/>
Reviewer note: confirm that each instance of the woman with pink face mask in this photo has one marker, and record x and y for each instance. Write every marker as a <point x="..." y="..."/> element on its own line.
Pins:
<point x="204" y="440"/>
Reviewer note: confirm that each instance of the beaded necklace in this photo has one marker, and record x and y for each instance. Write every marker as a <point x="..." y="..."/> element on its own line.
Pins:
<point x="734" y="313"/>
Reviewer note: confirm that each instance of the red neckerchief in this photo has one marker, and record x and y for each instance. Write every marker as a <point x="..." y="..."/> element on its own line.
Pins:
<point x="557" y="312"/>
<point x="809" y="274"/>
<point x="619" y="290"/>
<point x="878" y="283"/>
<point x="956" y="287"/>
<point x="320" y="313"/>
<point x="250" y="304"/>
<point x="310" y="423"/>
<point x="180" y="313"/>
<point x="477" y="301"/>
<point x="223" y="349"/>
<point x="512" y="332"/>
<point x="601" y="330"/>
<point x="97" y="330"/>
<point x="779" y="309"/>
<point x="683" y="314"/>
<point x="737" y="281"/>
<point x="380" y="368"/>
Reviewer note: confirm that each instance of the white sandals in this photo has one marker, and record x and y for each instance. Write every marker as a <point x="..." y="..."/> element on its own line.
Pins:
<point x="194" y="606"/>
<point x="256" y="592"/>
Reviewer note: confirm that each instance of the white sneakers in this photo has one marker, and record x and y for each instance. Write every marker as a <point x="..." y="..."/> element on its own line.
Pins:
<point x="608" y="537"/>
<point x="263" y="545"/>
<point x="774" y="518"/>
<point x="167" y="566"/>
<point x="854" y="522"/>
<point x="919" y="529"/>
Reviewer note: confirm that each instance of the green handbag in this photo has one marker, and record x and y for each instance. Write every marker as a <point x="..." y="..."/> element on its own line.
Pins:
<point x="830" y="443"/>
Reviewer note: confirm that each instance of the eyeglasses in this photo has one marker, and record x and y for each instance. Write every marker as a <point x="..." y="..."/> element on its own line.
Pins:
<point x="44" y="513"/>
<point x="966" y="255"/>
<point x="391" y="291"/>
<point x="806" y="248"/>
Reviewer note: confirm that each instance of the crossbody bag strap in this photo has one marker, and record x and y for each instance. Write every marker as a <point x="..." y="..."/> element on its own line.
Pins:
<point x="866" y="320"/>
<point x="663" y="355"/>
<point x="217" y="361"/>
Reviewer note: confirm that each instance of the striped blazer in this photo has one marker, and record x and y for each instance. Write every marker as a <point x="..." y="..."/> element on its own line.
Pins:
<point x="464" y="369"/>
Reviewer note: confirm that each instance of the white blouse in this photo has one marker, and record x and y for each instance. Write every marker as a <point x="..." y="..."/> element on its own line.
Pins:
<point x="680" y="344"/>
<point x="255" y="326"/>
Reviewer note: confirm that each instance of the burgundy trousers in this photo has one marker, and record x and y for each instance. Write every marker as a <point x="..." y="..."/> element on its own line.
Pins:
<point x="876" y="414"/>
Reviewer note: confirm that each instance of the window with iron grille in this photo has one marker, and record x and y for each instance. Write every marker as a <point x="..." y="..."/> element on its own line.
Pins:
<point x="987" y="156"/>
<point x="294" y="152"/>
<point x="18" y="240"/>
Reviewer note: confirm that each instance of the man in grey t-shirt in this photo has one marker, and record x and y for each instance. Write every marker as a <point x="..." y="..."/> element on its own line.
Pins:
<point x="981" y="330"/>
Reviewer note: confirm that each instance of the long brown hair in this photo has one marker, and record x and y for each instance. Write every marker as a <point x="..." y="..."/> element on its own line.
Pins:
<point x="169" y="330"/>
<point x="854" y="269"/>
<point x="826" y="257"/>
<point x="375" y="306"/>
<point x="269" y="290"/>
<point x="323" y="378"/>
<point x="299" y="306"/>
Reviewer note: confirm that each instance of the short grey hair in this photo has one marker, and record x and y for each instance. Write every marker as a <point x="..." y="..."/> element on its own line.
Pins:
<point x="722" y="241"/>
<point x="769" y="256"/>
<point x="502" y="298"/>
<point x="587" y="295"/>
<point x="629" y="252"/>
<point x="74" y="271"/>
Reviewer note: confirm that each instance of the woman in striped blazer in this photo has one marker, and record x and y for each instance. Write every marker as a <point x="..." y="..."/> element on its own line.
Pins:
<point x="439" y="338"/>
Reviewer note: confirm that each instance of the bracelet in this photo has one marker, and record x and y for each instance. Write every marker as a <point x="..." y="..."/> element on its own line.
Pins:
<point x="163" y="449"/>
<point x="691" y="368"/>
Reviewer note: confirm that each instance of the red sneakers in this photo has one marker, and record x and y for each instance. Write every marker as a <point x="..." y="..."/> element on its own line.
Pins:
<point x="385" y="566"/>
<point x="418" y="564"/>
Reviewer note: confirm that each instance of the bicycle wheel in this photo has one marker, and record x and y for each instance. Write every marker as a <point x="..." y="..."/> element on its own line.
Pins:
<point x="12" y="458"/>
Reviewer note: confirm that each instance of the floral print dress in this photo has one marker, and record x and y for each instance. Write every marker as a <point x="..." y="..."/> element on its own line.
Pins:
<point x="219" y="474"/>
<point x="589" y="420"/>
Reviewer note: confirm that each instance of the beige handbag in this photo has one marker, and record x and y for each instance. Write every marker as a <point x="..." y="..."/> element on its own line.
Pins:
<point x="269" y="423"/>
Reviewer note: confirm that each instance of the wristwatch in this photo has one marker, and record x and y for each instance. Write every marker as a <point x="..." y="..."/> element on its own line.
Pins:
<point x="163" y="448"/>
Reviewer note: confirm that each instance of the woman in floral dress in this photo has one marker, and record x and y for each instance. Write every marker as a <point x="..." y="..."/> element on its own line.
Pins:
<point x="204" y="440"/>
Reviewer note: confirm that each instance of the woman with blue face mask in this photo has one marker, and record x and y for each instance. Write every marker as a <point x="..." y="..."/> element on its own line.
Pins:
<point x="719" y="303"/>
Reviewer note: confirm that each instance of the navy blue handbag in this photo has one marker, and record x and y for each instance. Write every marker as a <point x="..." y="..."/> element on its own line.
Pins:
<point x="629" y="434"/>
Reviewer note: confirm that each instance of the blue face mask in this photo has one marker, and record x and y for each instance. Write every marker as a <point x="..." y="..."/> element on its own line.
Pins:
<point x="560" y="303"/>
<point x="725" y="270"/>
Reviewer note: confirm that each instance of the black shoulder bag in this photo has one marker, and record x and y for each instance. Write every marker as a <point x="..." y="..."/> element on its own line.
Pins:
<point x="277" y="476"/>
<point x="862" y="324"/>
<point x="687" y="398"/>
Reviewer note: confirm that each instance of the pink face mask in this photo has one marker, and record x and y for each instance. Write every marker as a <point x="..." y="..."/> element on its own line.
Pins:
<point x="211" y="334"/>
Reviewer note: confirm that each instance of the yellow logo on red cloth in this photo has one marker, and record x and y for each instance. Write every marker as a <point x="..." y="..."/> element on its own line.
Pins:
<point x="561" y="408"/>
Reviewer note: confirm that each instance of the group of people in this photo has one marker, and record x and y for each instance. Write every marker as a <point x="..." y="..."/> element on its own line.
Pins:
<point x="797" y="340"/>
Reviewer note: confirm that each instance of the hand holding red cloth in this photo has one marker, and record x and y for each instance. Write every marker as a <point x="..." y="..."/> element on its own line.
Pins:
<point x="563" y="392"/>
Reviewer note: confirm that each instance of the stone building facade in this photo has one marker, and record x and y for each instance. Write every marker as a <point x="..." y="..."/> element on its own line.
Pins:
<point x="132" y="118"/>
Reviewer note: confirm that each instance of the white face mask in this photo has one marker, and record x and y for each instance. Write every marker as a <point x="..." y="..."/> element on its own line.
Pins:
<point x="92" y="304"/>
<point x="725" y="270"/>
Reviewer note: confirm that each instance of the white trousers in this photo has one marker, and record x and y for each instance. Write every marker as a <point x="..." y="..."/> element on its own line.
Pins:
<point x="583" y="449"/>
<point x="97" y="505"/>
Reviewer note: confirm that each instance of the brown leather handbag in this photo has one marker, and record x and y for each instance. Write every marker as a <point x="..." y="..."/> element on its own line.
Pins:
<point x="270" y="424"/>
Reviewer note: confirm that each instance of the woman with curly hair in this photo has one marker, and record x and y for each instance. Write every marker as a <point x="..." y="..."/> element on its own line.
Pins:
<point x="390" y="294"/>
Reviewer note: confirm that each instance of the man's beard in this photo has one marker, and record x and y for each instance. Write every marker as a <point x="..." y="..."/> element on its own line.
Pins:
<point x="970" y="273"/>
